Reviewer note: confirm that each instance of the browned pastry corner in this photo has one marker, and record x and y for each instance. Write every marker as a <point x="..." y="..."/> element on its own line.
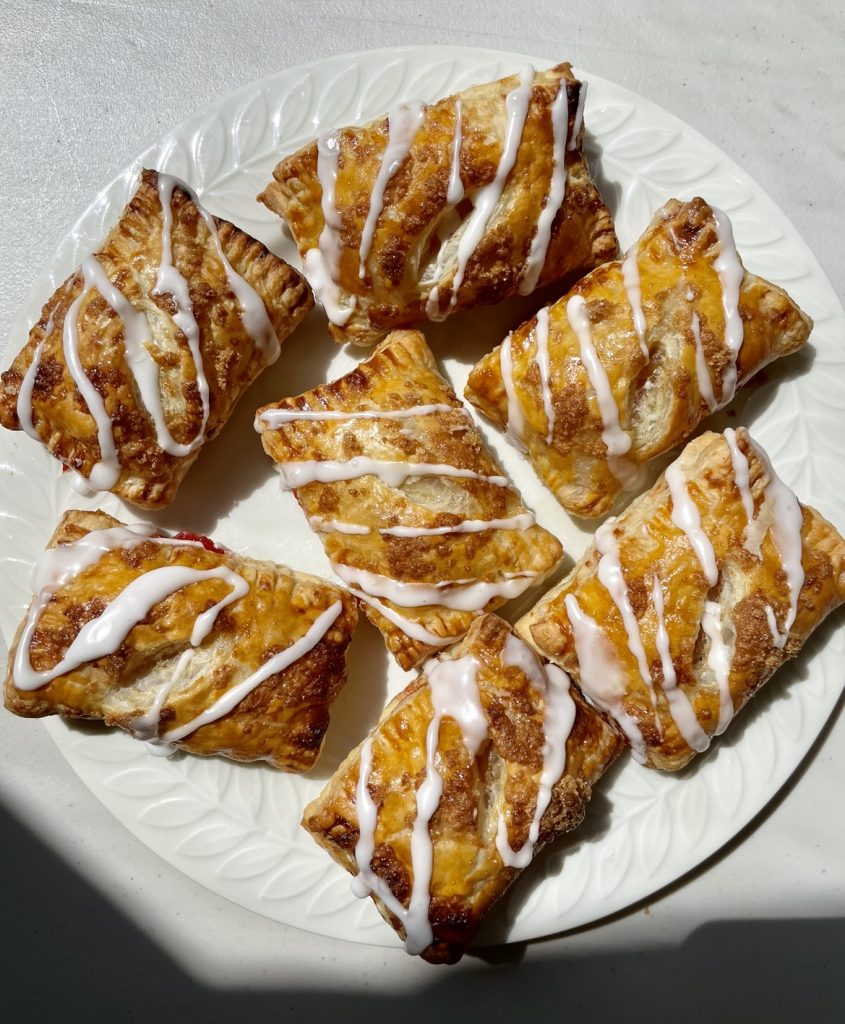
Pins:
<point x="234" y="343"/>
<point x="409" y="503"/>
<point x="492" y="788"/>
<point x="658" y="391"/>
<point x="281" y="720"/>
<point x="712" y="631"/>
<point x="414" y="267"/>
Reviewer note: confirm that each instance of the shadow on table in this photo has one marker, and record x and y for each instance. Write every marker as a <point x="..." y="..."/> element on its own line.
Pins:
<point x="69" y="955"/>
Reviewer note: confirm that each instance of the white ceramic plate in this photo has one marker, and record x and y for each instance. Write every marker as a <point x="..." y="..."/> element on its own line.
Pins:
<point x="235" y="828"/>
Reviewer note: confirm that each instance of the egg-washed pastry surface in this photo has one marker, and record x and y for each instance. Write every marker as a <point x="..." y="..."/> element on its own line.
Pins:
<point x="627" y="364"/>
<point x="181" y="643"/>
<point x="139" y="357"/>
<point x="480" y="761"/>
<point x="438" y="208"/>
<point x="687" y="603"/>
<point x="415" y="514"/>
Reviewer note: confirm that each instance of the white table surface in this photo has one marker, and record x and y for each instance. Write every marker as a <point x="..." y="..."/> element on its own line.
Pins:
<point x="92" y="924"/>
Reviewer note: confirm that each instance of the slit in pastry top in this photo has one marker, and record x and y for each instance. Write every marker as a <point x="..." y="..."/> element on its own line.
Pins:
<point x="439" y="207"/>
<point x="689" y="601"/>
<point x="415" y="515"/>
<point x="627" y="364"/>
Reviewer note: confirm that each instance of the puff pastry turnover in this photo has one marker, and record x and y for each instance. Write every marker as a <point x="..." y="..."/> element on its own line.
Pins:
<point x="414" y="513"/>
<point x="435" y="209"/>
<point x="140" y="356"/>
<point x="485" y="757"/>
<point x="181" y="642"/>
<point x="627" y="364"/>
<point x="688" y="602"/>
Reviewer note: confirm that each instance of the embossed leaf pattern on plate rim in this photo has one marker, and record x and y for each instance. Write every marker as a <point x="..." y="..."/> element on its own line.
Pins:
<point x="237" y="834"/>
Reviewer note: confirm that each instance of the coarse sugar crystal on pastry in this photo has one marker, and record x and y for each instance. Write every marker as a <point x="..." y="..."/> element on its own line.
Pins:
<point x="181" y="642"/>
<point x="484" y="758"/>
<point x="436" y="208"/>
<point x="139" y="358"/>
<point x="686" y="604"/>
<point x="637" y="354"/>
<point x="414" y="513"/>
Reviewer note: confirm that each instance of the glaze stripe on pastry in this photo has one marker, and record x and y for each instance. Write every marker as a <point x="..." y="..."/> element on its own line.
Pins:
<point x="635" y="356"/>
<point x="689" y="601"/>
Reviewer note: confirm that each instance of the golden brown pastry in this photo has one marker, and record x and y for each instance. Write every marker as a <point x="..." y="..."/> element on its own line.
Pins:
<point x="181" y="642"/>
<point x="484" y="758"/>
<point x="140" y="356"/>
<point x="690" y="600"/>
<point x="628" y="364"/>
<point x="413" y="511"/>
<point x="436" y="209"/>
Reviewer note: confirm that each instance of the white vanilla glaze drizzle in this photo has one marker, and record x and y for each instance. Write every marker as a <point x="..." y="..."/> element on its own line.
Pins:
<point x="24" y="402"/>
<point x="454" y="694"/>
<point x="272" y="419"/>
<point x="702" y="371"/>
<point x="682" y="711"/>
<point x="786" y="531"/>
<point x="104" y="473"/>
<point x="613" y="580"/>
<point x="631" y="281"/>
<point x="323" y="525"/>
<point x="579" y="116"/>
<point x="254" y="316"/>
<point x="321" y="265"/>
<point x="487" y="198"/>
<point x="786" y="527"/>
<point x="559" y="716"/>
<point x="460" y="595"/>
<point x="557" y="192"/>
<point x="617" y="440"/>
<point x="103" y="635"/>
<point x="719" y="660"/>
<point x="455" y="191"/>
<point x="521" y="521"/>
<point x="141" y="364"/>
<point x="686" y="517"/>
<point x="601" y="676"/>
<point x="394" y="474"/>
<point x="516" y="419"/>
<point x="541" y="337"/>
<point x="743" y="481"/>
<point x="403" y="122"/>
<point x="278" y="663"/>
<point x="414" y="630"/>
<point x="367" y="881"/>
<point x="453" y="690"/>
<point x="170" y="281"/>
<point x="729" y="269"/>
